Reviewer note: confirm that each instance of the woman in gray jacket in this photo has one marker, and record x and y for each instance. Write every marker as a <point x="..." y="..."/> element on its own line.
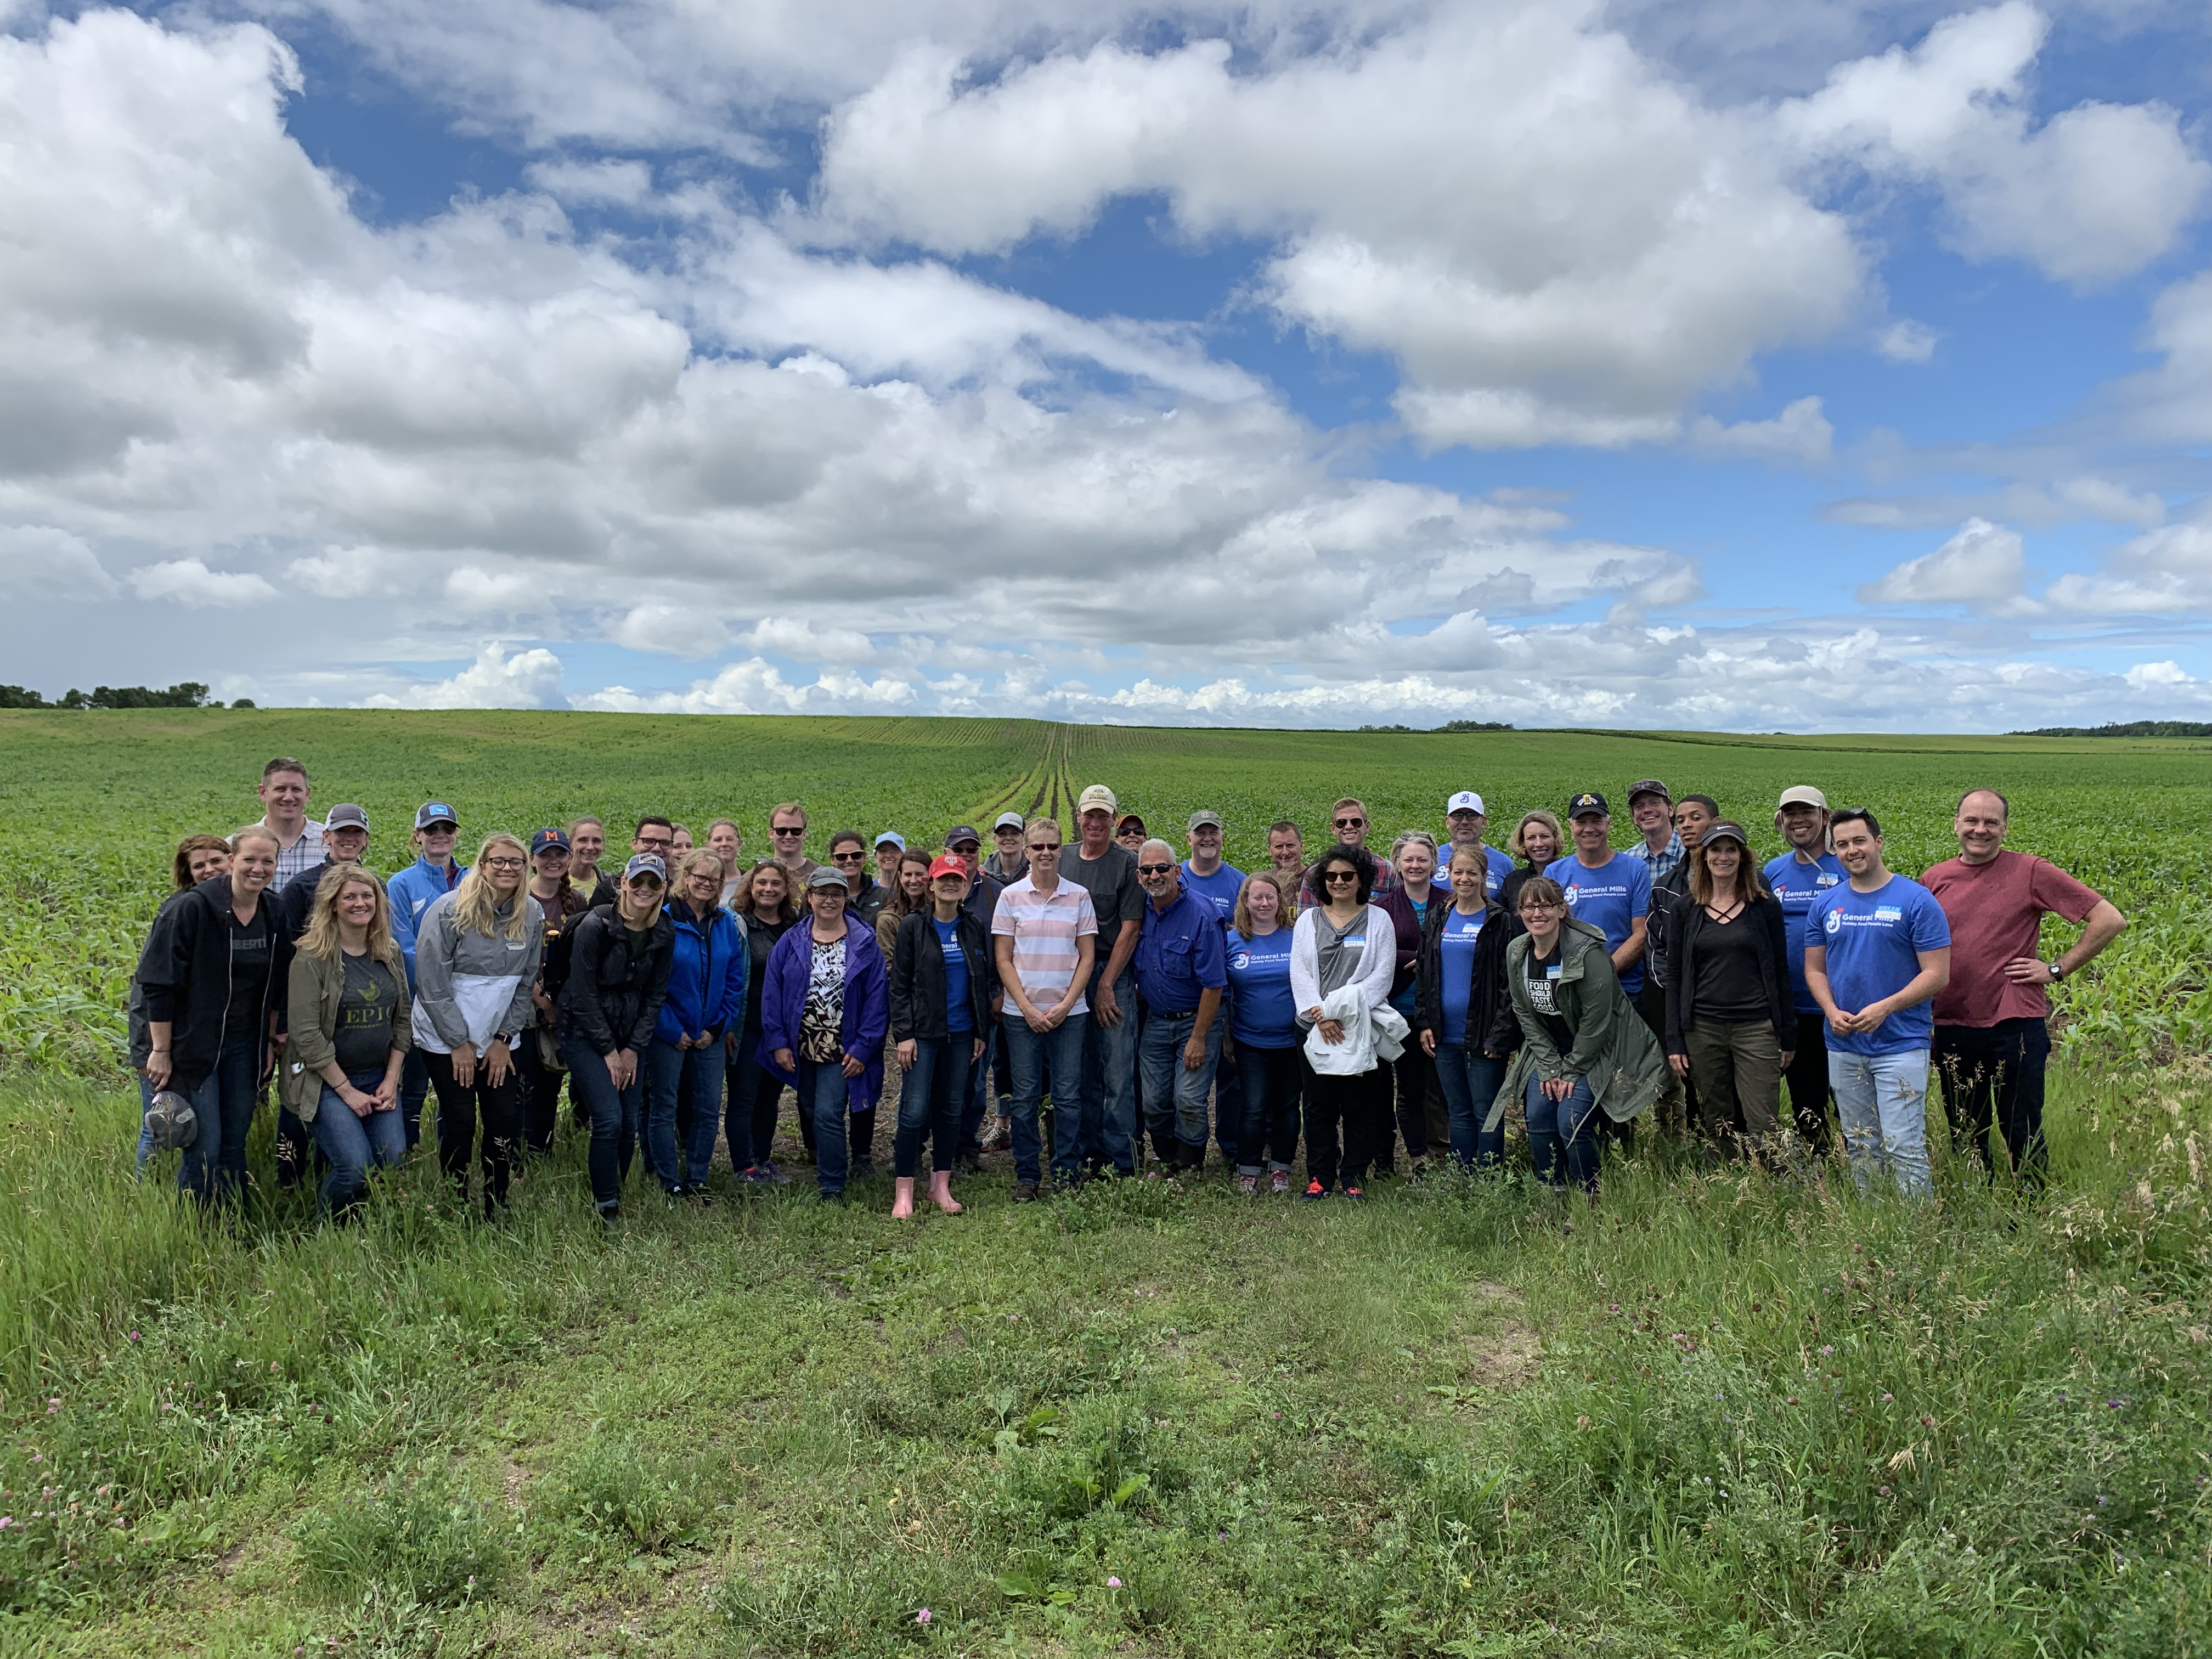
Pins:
<point x="475" y="958"/>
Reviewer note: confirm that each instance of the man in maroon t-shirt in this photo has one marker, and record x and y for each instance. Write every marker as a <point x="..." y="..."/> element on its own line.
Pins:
<point x="1993" y="1020"/>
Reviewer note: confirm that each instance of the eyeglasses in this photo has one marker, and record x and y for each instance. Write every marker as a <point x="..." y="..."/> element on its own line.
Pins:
<point x="1333" y="876"/>
<point x="1540" y="909"/>
<point x="1351" y="824"/>
<point x="1044" y="847"/>
<point x="1154" y="869"/>
<point x="503" y="863"/>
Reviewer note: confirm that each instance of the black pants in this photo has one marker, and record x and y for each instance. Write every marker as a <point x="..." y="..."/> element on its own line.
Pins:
<point x="459" y="1107"/>
<point x="1808" y="1082"/>
<point x="756" y="1094"/>
<point x="296" y="1151"/>
<point x="1415" y="1074"/>
<point x="1995" y="1073"/>
<point x="1361" y="1105"/>
<point x="541" y="1094"/>
<point x="1677" y="1108"/>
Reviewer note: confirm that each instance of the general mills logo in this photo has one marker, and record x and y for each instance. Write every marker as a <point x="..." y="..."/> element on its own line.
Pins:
<point x="1241" y="961"/>
<point x="1834" y="924"/>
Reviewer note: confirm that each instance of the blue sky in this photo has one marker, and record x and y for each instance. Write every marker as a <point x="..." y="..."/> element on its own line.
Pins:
<point x="1821" y="367"/>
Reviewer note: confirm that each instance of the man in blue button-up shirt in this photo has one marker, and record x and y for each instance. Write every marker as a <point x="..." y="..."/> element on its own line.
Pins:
<point x="1182" y="968"/>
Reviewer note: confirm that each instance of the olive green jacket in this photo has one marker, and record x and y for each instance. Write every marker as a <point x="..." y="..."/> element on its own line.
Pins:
<point x="1613" y="1048"/>
<point x="317" y="988"/>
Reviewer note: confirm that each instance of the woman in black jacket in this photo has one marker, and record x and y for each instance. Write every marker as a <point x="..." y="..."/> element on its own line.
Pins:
<point x="200" y="858"/>
<point x="1461" y="981"/>
<point x="766" y="906"/>
<point x="1731" y="1016"/>
<point x="618" y="961"/>
<point x="211" y="1008"/>
<point x="944" y="996"/>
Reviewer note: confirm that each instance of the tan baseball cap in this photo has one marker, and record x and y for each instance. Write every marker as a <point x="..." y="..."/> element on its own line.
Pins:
<point x="1096" y="798"/>
<point x="1802" y="794"/>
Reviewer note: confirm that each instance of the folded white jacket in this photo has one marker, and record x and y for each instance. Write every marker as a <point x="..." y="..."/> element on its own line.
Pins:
<point x="1371" y="1036"/>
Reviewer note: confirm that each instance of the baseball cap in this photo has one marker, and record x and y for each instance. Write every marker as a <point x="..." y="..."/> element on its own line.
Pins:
<point x="171" y="1121"/>
<point x="1587" y="802"/>
<point x="1650" y="786"/>
<point x="1129" y="821"/>
<point x="825" y="877"/>
<point x="960" y="832"/>
<point x="894" y="838"/>
<point x="1724" y="829"/>
<point x="1204" y="815"/>
<point x="1802" y="794"/>
<point x="1008" y="821"/>
<point x="649" y="864"/>
<point x="345" y="816"/>
<point x="1097" y="796"/>
<point x="946" y="865"/>
<point x="546" y="838"/>
<point x="1466" y="801"/>
<point x="435" y="811"/>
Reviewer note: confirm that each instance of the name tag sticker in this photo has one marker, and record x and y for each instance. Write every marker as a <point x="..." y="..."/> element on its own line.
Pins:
<point x="1552" y="972"/>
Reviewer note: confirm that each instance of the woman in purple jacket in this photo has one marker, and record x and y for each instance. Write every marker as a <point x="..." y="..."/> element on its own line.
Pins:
<point x="705" y="999"/>
<point x="823" y="1012"/>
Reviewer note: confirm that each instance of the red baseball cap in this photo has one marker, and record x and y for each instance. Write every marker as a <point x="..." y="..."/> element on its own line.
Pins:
<point x="947" y="864"/>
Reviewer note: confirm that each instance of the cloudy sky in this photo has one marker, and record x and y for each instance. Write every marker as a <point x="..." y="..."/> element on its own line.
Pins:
<point x="1760" y="363"/>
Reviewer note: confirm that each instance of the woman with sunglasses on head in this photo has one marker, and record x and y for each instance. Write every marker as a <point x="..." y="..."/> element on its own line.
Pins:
<point x="705" y="997"/>
<point x="944" y="994"/>
<point x="348" y="1017"/>
<point x="766" y="906"/>
<point x="198" y="859"/>
<point x="1345" y="942"/>
<point x="618" y="963"/>
<point x="211" y="1006"/>
<point x="823" y="1013"/>
<point x="477" y="953"/>
<point x="1731" y="1008"/>
<point x="1586" y="1049"/>
<point x="1462" y="983"/>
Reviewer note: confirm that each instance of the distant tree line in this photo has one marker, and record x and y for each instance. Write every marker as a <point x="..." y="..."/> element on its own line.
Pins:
<point x="1449" y="725"/>
<point x="2125" y="729"/>
<point x="186" y="694"/>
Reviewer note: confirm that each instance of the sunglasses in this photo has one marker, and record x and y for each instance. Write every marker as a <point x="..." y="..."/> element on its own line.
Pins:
<point x="1044" y="847"/>
<point x="1352" y="875"/>
<point x="646" y="884"/>
<point x="1154" y="869"/>
<point x="1351" y="824"/>
<point x="848" y="857"/>
<point x="801" y="830"/>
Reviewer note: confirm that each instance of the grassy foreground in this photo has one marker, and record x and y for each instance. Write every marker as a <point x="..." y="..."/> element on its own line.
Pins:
<point x="1720" y="1414"/>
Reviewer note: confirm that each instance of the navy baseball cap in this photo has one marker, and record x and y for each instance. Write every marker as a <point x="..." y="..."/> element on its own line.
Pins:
<point x="547" y="838"/>
<point x="646" y="864"/>
<point x="1586" y="803"/>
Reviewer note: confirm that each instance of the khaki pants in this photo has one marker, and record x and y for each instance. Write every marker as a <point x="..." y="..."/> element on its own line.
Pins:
<point x="1736" y="1066"/>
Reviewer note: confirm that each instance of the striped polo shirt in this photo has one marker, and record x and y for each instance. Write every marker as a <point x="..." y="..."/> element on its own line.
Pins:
<point x="1044" y="928"/>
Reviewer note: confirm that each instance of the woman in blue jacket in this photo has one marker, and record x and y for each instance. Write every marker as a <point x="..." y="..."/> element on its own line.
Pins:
<point x="823" y="1013"/>
<point x="705" y="996"/>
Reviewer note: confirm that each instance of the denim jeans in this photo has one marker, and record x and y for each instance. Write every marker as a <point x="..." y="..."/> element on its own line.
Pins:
<point x="1996" y="1072"/>
<point x="213" y="1166"/>
<point x="616" y="1116"/>
<point x="146" y="1093"/>
<point x="930" y="1099"/>
<point x="354" y="1145"/>
<point x="825" y="1101"/>
<point x="1108" y="1074"/>
<point x="1173" y="1093"/>
<point x="1274" y="1082"/>
<point x="674" y="1074"/>
<point x="1032" y="1052"/>
<point x="1471" y="1080"/>
<point x="1882" y="1100"/>
<point x="1562" y="1134"/>
<point x="1411" y="1073"/>
<point x="978" y="1099"/>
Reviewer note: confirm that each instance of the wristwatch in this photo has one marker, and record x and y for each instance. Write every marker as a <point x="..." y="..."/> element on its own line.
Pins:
<point x="2058" y="972"/>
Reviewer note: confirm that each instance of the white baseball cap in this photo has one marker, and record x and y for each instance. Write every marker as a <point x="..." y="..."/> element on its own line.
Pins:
<point x="1466" y="801"/>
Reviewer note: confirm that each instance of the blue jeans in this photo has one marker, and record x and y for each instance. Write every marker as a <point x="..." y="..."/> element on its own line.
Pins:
<point x="1882" y="1101"/>
<point x="697" y="1075"/>
<point x="1569" y="1124"/>
<point x="146" y="1093"/>
<point x="1173" y="1092"/>
<point x="615" y="1114"/>
<point x="978" y="1100"/>
<point x="1108" y="1079"/>
<point x="1032" y="1052"/>
<point x="931" y="1100"/>
<point x="354" y="1144"/>
<point x="1471" y="1080"/>
<point x="1273" y="1087"/>
<point x="825" y="1100"/>
<point x="214" y="1167"/>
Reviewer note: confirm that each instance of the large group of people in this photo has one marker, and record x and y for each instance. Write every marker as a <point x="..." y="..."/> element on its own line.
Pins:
<point x="1102" y="1002"/>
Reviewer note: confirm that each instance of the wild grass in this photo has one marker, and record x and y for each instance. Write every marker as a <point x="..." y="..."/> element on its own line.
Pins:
<point x="1720" y="1412"/>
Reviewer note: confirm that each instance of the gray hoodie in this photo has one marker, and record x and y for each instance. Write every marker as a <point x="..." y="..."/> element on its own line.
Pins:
<point x="472" y="987"/>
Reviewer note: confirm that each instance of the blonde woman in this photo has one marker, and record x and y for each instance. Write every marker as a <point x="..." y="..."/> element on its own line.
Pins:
<point x="350" y="1039"/>
<point x="1536" y="840"/>
<point x="475" y="958"/>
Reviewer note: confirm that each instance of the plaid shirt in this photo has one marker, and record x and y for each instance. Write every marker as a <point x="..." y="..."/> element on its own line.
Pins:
<point x="302" y="855"/>
<point x="1664" y="862"/>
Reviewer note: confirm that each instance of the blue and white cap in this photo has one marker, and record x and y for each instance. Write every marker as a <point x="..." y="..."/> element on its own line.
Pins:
<point x="894" y="838"/>
<point x="435" y="811"/>
<point x="1466" y="801"/>
<point x="646" y="864"/>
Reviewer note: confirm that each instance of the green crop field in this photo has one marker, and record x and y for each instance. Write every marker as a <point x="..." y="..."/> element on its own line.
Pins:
<point x="1719" y="1412"/>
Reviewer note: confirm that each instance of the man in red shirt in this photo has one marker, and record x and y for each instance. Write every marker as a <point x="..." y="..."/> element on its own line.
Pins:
<point x="1993" y="1020"/>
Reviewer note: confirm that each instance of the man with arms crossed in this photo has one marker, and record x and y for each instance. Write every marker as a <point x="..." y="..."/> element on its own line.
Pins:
<point x="1182" y="968"/>
<point x="1993" y="1020"/>
<point x="1107" y="1078"/>
<point x="1877" y="952"/>
<point x="1798" y="877"/>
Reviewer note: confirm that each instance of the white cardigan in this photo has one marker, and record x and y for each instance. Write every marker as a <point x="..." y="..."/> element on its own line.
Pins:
<point x="1373" y="979"/>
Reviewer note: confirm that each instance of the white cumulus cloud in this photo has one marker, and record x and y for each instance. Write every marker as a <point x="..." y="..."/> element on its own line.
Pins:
<point x="39" y="561"/>
<point x="528" y="679"/>
<point x="189" y="582"/>
<point x="1982" y="566"/>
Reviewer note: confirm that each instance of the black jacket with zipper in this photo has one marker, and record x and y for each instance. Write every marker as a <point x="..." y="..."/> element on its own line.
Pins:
<point x="189" y="987"/>
<point x="617" y="980"/>
<point x="1489" y="1011"/>
<point x="1686" y="923"/>
<point x="918" y="977"/>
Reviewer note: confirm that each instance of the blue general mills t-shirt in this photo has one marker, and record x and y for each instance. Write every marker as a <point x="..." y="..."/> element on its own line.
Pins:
<point x="1500" y="867"/>
<point x="1873" y="941"/>
<point x="1221" y="888"/>
<point x="1457" y="968"/>
<point x="959" y="1011"/>
<point x="1261" y="1012"/>
<point x="1797" y="886"/>
<point x="1611" y="897"/>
